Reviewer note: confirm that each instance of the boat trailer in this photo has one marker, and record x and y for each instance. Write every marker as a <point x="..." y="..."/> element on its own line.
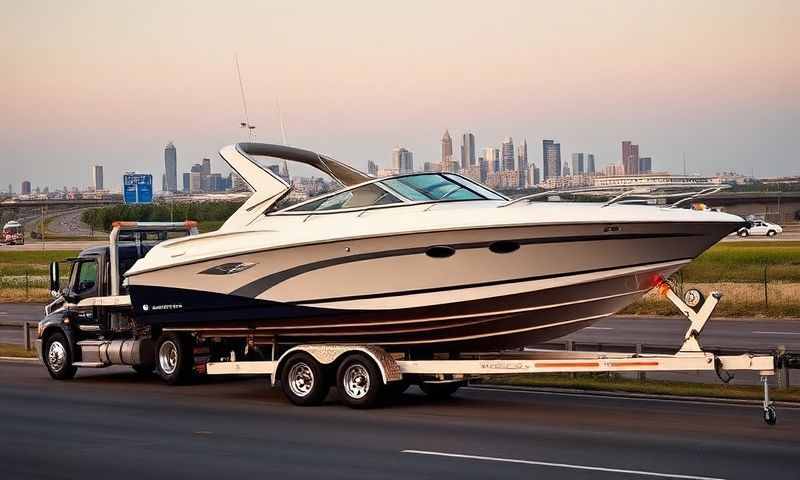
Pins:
<point x="690" y="357"/>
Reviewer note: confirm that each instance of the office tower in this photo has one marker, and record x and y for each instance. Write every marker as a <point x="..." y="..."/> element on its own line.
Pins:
<point x="196" y="182"/>
<point x="186" y="181"/>
<point x="171" y="168"/>
<point x="215" y="183"/>
<point x="590" y="168"/>
<point x="507" y="152"/>
<point x="97" y="177"/>
<point x="551" y="159"/>
<point x="535" y="179"/>
<point x="206" y="166"/>
<point x="645" y="165"/>
<point x="630" y="157"/>
<point x="522" y="155"/>
<point x="467" y="150"/>
<point x="26" y="188"/>
<point x="567" y="171"/>
<point x="578" y="164"/>
<point x="163" y="182"/>
<point x="483" y="165"/>
<point x="402" y="160"/>
<point x="372" y="168"/>
<point x="238" y="184"/>
<point x="447" y="148"/>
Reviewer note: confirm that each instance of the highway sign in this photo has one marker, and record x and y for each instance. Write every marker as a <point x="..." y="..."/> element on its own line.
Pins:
<point x="137" y="188"/>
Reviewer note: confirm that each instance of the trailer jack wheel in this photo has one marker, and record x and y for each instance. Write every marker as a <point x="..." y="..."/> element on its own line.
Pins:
<point x="770" y="416"/>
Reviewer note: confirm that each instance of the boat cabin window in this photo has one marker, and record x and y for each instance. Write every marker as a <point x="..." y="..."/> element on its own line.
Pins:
<point x="430" y="187"/>
<point x="364" y="196"/>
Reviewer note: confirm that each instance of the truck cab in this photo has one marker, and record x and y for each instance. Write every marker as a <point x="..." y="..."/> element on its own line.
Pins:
<point x="90" y="322"/>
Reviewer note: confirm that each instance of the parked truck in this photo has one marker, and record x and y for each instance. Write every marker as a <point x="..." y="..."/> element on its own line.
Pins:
<point x="91" y="324"/>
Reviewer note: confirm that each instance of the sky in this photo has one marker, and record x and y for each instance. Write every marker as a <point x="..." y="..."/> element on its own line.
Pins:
<point x="111" y="82"/>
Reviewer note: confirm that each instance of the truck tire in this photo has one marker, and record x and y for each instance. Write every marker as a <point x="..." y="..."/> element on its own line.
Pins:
<point x="440" y="391"/>
<point x="174" y="359"/>
<point x="58" y="357"/>
<point x="359" y="381"/>
<point x="303" y="380"/>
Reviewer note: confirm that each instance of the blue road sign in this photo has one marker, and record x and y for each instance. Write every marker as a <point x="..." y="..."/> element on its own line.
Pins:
<point x="137" y="188"/>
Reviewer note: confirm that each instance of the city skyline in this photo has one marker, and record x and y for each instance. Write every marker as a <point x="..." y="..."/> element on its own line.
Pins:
<point x="721" y="90"/>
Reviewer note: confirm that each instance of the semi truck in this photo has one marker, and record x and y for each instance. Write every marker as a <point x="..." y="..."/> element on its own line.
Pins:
<point x="91" y="324"/>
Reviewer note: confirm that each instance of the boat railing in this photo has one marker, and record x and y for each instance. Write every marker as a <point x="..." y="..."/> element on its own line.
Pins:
<point x="660" y="194"/>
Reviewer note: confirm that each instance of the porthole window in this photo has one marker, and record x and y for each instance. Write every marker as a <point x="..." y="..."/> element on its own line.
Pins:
<point x="504" y="246"/>
<point x="440" y="251"/>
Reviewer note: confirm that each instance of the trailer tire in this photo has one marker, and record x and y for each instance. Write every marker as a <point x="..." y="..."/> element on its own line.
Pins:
<point x="57" y="357"/>
<point x="440" y="391"/>
<point x="303" y="380"/>
<point x="359" y="381"/>
<point x="174" y="359"/>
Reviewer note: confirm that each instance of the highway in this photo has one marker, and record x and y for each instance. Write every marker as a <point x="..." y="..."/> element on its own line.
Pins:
<point x="119" y="425"/>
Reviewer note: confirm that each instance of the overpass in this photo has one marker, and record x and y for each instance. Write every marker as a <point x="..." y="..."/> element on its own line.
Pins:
<point x="779" y="207"/>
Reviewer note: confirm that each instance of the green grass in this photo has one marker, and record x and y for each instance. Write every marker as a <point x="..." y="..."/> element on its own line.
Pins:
<point x="7" y="350"/>
<point x="617" y="383"/>
<point x="745" y="262"/>
<point x="35" y="257"/>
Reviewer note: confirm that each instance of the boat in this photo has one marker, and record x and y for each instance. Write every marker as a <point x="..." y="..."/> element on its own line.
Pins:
<point x="424" y="261"/>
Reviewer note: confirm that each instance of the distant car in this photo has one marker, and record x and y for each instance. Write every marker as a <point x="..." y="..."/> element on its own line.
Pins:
<point x="760" y="227"/>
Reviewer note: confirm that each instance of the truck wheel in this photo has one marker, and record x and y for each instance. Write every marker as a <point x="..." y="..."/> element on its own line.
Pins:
<point x="57" y="357"/>
<point x="303" y="380"/>
<point x="440" y="391"/>
<point x="174" y="360"/>
<point x="359" y="381"/>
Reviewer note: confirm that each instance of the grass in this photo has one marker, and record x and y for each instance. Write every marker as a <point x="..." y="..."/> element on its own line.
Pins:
<point x="617" y="383"/>
<point x="745" y="262"/>
<point x="15" y="264"/>
<point x="7" y="350"/>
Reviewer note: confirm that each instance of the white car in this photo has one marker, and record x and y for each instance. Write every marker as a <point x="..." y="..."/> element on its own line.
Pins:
<point x="761" y="227"/>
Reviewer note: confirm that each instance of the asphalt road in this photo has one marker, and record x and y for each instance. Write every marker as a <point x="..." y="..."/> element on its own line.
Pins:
<point x="118" y="425"/>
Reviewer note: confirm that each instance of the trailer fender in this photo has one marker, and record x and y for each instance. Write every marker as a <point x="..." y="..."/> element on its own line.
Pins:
<point x="328" y="354"/>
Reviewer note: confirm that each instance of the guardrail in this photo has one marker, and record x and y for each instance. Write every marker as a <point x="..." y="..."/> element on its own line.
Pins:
<point x="27" y="331"/>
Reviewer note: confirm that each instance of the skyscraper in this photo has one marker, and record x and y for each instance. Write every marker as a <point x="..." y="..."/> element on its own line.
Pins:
<point x="26" y="188"/>
<point x="645" y="165"/>
<point x="186" y="180"/>
<point x="467" y="150"/>
<point x="372" y="168"/>
<point x="447" y="148"/>
<point x="551" y="159"/>
<point x="206" y="166"/>
<point x="492" y="156"/>
<point x="578" y="164"/>
<point x="522" y="156"/>
<point x="590" y="168"/>
<point x="171" y="168"/>
<point x="567" y="171"/>
<point x="630" y="157"/>
<point x="402" y="160"/>
<point x="508" y="154"/>
<point x="97" y="177"/>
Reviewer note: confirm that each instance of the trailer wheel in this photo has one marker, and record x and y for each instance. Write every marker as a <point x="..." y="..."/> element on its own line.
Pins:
<point x="303" y="380"/>
<point x="359" y="381"/>
<point x="440" y="391"/>
<point x="57" y="357"/>
<point x="174" y="360"/>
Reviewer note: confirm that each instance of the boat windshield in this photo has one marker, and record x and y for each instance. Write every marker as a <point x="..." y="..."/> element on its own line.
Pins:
<point x="425" y="187"/>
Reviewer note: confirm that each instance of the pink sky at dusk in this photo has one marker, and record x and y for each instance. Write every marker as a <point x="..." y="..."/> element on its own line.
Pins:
<point x="112" y="82"/>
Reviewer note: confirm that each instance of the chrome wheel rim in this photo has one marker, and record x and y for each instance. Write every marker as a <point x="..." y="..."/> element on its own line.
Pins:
<point x="356" y="381"/>
<point x="56" y="356"/>
<point x="301" y="379"/>
<point x="168" y="357"/>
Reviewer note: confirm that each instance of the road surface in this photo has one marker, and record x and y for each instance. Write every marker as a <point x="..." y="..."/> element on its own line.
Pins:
<point x="123" y="426"/>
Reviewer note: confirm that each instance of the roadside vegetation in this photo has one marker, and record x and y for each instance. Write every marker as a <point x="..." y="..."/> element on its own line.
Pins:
<point x="618" y="383"/>
<point x="210" y="215"/>
<point x="24" y="275"/>
<point x="8" y="350"/>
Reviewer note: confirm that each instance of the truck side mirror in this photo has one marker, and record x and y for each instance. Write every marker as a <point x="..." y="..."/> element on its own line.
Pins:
<point x="55" y="280"/>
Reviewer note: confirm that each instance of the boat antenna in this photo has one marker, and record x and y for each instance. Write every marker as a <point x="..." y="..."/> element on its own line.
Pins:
<point x="251" y="129"/>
